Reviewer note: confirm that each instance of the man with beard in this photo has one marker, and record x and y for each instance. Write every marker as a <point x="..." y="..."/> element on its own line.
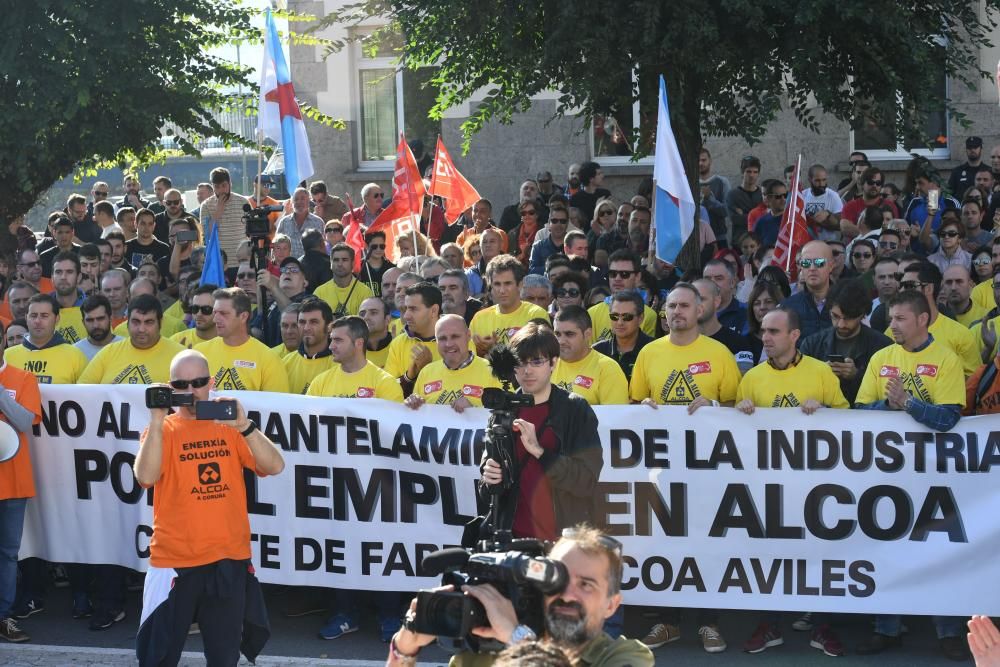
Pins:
<point x="96" y="311"/>
<point x="574" y="618"/>
<point x="200" y="309"/>
<point x="65" y="278"/>
<point x="313" y="355"/>
<point x="823" y="205"/>
<point x="455" y="299"/>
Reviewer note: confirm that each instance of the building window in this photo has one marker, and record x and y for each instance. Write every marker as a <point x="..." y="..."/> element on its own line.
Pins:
<point x="613" y="135"/>
<point x="928" y="138"/>
<point x="392" y="100"/>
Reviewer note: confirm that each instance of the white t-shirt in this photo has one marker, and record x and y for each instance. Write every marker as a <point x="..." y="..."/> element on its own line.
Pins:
<point x="828" y="201"/>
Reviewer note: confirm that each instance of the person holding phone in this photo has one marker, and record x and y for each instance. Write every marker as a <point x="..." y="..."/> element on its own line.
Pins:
<point x="199" y="563"/>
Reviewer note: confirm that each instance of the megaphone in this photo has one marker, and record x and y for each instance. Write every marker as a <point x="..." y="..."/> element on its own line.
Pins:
<point x="10" y="442"/>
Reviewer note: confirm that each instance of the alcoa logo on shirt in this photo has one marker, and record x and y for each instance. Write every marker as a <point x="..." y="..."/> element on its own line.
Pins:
<point x="365" y="392"/>
<point x="583" y="381"/>
<point x="239" y="363"/>
<point x="889" y="372"/>
<point x="927" y="369"/>
<point x="700" y="367"/>
<point x="472" y="390"/>
<point x="431" y="387"/>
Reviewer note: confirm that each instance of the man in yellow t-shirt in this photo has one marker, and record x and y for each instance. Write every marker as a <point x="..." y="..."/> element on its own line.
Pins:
<point x="582" y="370"/>
<point x="65" y="280"/>
<point x="624" y="273"/>
<point x="459" y="377"/>
<point x="685" y="367"/>
<point x="313" y="356"/>
<point x="788" y="379"/>
<point x="918" y="374"/>
<point x="343" y="292"/>
<point x="200" y="308"/>
<point x="353" y="376"/>
<point x="375" y="313"/>
<point x="44" y="353"/>
<point x="413" y="349"/>
<point x="498" y="324"/>
<point x="142" y="358"/>
<point x="925" y="278"/>
<point x="236" y="360"/>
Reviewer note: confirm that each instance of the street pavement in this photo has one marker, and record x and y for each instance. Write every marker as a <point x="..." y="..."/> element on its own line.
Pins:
<point x="58" y="640"/>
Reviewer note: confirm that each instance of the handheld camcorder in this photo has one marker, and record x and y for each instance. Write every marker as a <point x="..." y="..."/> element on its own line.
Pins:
<point x="166" y="398"/>
<point x="255" y="219"/>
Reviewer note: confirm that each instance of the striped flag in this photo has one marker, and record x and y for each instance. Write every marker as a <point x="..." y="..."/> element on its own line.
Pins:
<point x="673" y="206"/>
<point x="794" y="232"/>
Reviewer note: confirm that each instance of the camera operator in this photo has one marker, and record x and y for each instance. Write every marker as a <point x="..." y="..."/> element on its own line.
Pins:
<point x="199" y="563"/>
<point x="574" y="618"/>
<point x="557" y="452"/>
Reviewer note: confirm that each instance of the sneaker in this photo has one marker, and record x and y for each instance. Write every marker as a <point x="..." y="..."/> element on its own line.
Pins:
<point x="337" y="626"/>
<point x="81" y="606"/>
<point x="803" y="623"/>
<point x="105" y="619"/>
<point x="387" y="627"/>
<point x="764" y="637"/>
<point x="711" y="639"/>
<point x="12" y="633"/>
<point x="878" y="643"/>
<point x="954" y="648"/>
<point x="29" y="608"/>
<point x="661" y="634"/>
<point x="824" y="639"/>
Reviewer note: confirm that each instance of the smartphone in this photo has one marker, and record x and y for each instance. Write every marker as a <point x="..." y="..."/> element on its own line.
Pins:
<point x="186" y="235"/>
<point x="838" y="358"/>
<point x="223" y="410"/>
<point x="933" y="196"/>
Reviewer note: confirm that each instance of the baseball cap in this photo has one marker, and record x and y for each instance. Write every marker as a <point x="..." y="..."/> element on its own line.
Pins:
<point x="974" y="142"/>
<point x="291" y="260"/>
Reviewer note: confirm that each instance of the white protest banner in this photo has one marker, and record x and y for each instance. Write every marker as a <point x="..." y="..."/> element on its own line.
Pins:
<point x="844" y="511"/>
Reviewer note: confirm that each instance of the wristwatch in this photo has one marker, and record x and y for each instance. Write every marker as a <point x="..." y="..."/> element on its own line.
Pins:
<point x="522" y="633"/>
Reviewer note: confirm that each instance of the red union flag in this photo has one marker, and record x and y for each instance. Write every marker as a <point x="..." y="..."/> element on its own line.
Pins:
<point x="793" y="233"/>
<point x="401" y="216"/>
<point x="447" y="182"/>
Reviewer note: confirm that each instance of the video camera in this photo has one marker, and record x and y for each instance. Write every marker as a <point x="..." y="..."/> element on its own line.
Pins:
<point x="518" y="569"/>
<point x="164" y="397"/>
<point x="256" y="222"/>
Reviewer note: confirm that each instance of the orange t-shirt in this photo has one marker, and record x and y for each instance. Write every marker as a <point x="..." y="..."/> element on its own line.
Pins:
<point x="16" y="477"/>
<point x="45" y="286"/>
<point x="200" y="502"/>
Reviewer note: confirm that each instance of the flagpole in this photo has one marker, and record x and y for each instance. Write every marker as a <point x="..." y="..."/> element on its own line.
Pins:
<point x="792" y="215"/>
<point x="651" y="250"/>
<point x="409" y="196"/>
<point x="364" y="251"/>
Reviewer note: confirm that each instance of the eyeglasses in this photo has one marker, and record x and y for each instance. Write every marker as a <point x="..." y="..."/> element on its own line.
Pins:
<point x="911" y="284"/>
<point x="836" y="253"/>
<point x="330" y="230"/>
<point x="564" y="292"/>
<point x="194" y="310"/>
<point x="818" y="263"/>
<point x="861" y="255"/>
<point x="196" y="383"/>
<point x="377" y="246"/>
<point x="608" y="542"/>
<point x="378" y="195"/>
<point x="245" y="276"/>
<point x="606" y="212"/>
<point x="172" y="202"/>
<point x="872" y="181"/>
<point x="290" y="269"/>
<point x="783" y="195"/>
<point x="537" y="362"/>
<point x="558" y="221"/>
<point x="100" y="193"/>
<point x="528" y="211"/>
<point x="982" y="261"/>
<point x="621" y="274"/>
<point x="949" y="234"/>
<point x="625" y="317"/>
<point x="889" y="245"/>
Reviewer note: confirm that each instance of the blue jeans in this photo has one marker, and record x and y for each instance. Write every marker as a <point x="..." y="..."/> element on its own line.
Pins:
<point x="946" y="626"/>
<point x="11" y="525"/>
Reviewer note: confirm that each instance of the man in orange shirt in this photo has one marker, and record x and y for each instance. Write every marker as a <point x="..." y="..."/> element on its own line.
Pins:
<point x="199" y="555"/>
<point x="20" y="407"/>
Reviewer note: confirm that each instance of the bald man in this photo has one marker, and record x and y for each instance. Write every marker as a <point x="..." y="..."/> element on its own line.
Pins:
<point x="815" y="267"/>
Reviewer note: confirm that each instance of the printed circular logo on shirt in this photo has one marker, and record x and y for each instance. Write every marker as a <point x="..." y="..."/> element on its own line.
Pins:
<point x="700" y="367"/>
<point x="472" y="390"/>
<point x="929" y="370"/>
<point x="889" y="372"/>
<point x="583" y="381"/>
<point x="365" y="392"/>
<point x="431" y="387"/>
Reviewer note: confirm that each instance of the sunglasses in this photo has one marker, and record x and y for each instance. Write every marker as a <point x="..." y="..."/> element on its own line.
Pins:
<point x="378" y="195"/>
<point x="194" y="310"/>
<point x="172" y="202"/>
<point x="99" y="193"/>
<point x="837" y="253"/>
<point x="783" y="195"/>
<point x="982" y="261"/>
<point x="889" y="245"/>
<point x="949" y="235"/>
<point x="872" y="181"/>
<point x="245" y="276"/>
<point x="558" y="221"/>
<point x="537" y="362"/>
<point x="564" y="292"/>
<point x="621" y="274"/>
<point x="911" y="285"/>
<point x="606" y="212"/>
<point x="625" y="317"/>
<point x="861" y="255"/>
<point x="819" y="263"/>
<point x="608" y="542"/>
<point x="196" y="383"/>
<point x="377" y="246"/>
<point x="290" y="269"/>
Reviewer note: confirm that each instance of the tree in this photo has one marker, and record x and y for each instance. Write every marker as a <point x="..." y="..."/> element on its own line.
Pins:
<point x="86" y="81"/>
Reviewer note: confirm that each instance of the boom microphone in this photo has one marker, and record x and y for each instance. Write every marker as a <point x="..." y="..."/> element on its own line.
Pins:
<point x="444" y="560"/>
<point x="502" y="364"/>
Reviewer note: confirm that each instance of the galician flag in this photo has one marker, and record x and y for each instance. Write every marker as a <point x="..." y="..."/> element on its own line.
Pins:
<point x="279" y="117"/>
<point x="674" y="205"/>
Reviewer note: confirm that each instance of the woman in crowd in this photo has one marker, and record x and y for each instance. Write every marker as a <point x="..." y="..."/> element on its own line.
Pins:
<point x="523" y="236"/>
<point x="568" y="288"/>
<point x="982" y="264"/>
<point x="604" y="217"/>
<point x="764" y="298"/>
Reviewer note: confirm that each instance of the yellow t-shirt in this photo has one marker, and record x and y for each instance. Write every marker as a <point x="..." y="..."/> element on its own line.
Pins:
<point x="335" y="296"/>
<point x="59" y="364"/>
<point x="491" y="322"/>
<point x="398" y="353"/>
<point x="189" y="338"/>
<point x="977" y="333"/>
<point x="599" y="317"/>
<point x="982" y="295"/>
<point x="251" y="366"/>
<point x="302" y="370"/>
<point x="168" y="327"/>
<point x="369" y="382"/>
<point x="123" y="363"/>
<point x="934" y="375"/>
<point x="176" y="310"/>
<point x="379" y="357"/>
<point x="769" y="387"/>
<point x="960" y="340"/>
<point x="70" y="325"/>
<point x="281" y="350"/>
<point x="438" y="385"/>
<point x="396" y="326"/>
<point x="974" y="314"/>
<point x="676" y="375"/>
<point x="597" y="378"/>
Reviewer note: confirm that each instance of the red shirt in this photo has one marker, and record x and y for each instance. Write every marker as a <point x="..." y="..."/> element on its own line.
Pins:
<point x="535" y="515"/>
<point x="755" y="214"/>
<point x="854" y="208"/>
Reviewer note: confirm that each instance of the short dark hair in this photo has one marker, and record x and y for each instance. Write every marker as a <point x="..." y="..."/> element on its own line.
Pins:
<point x="146" y="303"/>
<point x="342" y="247"/>
<point x="198" y="290"/>
<point x="121" y="212"/>
<point x="45" y="298"/>
<point x="241" y="302"/>
<point x="588" y="170"/>
<point x="852" y="297"/>
<point x="60" y="220"/>
<point x="164" y="181"/>
<point x="371" y="236"/>
<point x="916" y="301"/>
<point x="312" y="239"/>
<point x="356" y="327"/>
<point x="118" y="236"/>
<point x="316" y="187"/>
<point x="219" y="175"/>
<point x="577" y="315"/>
<point x="95" y="301"/>
<point x="67" y="256"/>
<point x="532" y="341"/>
<point x="105" y="207"/>
<point x="428" y="293"/>
<point x="573" y="235"/>
<point x="313" y="304"/>
<point x="631" y="296"/>
<point x="927" y="273"/>
<point x="625" y="255"/>
<point x="749" y="161"/>
<point x="502" y="263"/>
<point x="794" y="321"/>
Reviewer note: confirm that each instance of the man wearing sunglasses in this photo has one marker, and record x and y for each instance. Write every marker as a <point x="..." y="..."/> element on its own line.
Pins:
<point x="872" y="180"/>
<point x="173" y="209"/>
<point x="581" y="369"/>
<point x="624" y="269"/>
<point x="372" y="197"/>
<point x="29" y="270"/>
<point x="200" y="567"/>
<point x="815" y="266"/>
<point x="200" y="310"/>
<point x="625" y="313"/>
<point x="768" y="225"/>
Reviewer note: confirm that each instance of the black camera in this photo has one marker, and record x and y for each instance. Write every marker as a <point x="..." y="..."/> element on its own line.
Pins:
<point x="255" y="219"/>
<point x="164" y="397"/>
<point x="505" y="401"/>
<point x="519" y="571"/>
